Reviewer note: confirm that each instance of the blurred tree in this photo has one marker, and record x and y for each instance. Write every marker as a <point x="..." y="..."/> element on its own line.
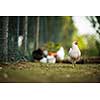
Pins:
<point x="5" y="37"/>
<point x="98" y="47"/>
<point x="25" y="30"/>
<point x="4" y="43"/>
<point x="31" y="38"/>
<point x="18" y="23"/>
<point x="13" y="51"/>
<point x="68" y="29"/>
<point x="37" y="32"/>
<point x="95" y="20"/>
<point x="58" y="29"/>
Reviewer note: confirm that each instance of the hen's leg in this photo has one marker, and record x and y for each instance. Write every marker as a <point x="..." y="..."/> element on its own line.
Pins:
<point x="73" y="64"/>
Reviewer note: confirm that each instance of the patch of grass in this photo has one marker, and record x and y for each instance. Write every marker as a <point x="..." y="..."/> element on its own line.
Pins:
<point x="38" y="72"/>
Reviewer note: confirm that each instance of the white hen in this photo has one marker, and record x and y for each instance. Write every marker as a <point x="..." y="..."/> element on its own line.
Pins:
<point x="51" y="59"/>
<point x="43" y="60"/>
<point x="60" y="54"/>
<point x="74" y="53"/>
<point x="20" y="39"/>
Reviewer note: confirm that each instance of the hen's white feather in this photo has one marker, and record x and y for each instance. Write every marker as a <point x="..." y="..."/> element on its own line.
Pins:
<point x="43" y="60"/>
<point x="74" y="53"/>
<point x="60" y="54"/>
<point x="51" y="59"/>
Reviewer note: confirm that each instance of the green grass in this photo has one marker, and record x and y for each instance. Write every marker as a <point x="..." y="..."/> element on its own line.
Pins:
<point x="38" y="72"/>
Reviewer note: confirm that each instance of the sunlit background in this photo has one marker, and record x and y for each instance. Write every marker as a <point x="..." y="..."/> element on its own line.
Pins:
<point x="87" y="34"/>
<point x="83" y="25"/>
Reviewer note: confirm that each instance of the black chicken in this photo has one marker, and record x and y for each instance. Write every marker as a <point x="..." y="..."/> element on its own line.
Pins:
<point x="37" y="54"/>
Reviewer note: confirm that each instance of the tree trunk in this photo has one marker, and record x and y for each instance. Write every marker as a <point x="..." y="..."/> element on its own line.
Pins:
<point x="37" y="32"/>
<point x="25" y="33"/>
<point x="18" y="22"/>
<point x="5" y="38"/>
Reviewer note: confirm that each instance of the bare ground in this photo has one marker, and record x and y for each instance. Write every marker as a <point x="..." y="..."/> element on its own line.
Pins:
<point x="49" y="73"/>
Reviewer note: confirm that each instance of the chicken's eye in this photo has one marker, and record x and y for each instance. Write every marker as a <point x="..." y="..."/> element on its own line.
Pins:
<point x="76" y="43"/>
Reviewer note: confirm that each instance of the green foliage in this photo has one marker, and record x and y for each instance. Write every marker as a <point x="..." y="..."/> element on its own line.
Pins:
<point x="87" y="44"/>
<point x="98" y="47"/>
<point x="95" y="21"/>
<point x="68" y="30"/>
<point x="92" y="49"/>
<point x="57" y="29"/>
<point x="91" y="45"/>
<point x="51" y="46"/>
<point x="81" y="41"/>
